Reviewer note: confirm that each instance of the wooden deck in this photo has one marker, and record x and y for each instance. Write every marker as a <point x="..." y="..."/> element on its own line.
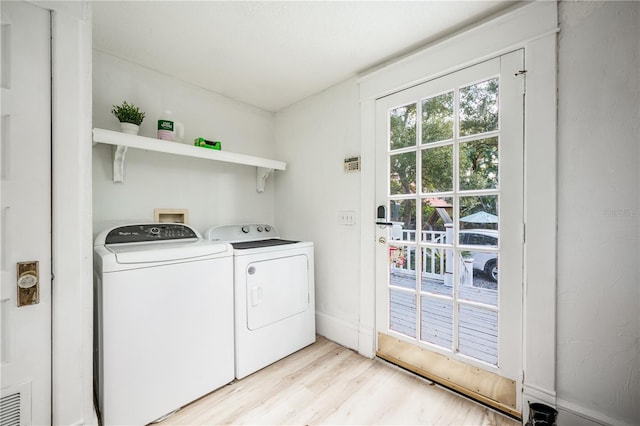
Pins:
<point x="478" y="327"/>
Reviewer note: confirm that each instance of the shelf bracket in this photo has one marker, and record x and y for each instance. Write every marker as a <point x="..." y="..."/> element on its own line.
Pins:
<point x="263" y="174"/>
<point x="119" y="152"/>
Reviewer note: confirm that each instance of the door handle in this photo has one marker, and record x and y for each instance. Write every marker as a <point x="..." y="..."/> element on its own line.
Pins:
<point x="256" y="296"/>
<point x="28" y="283"/>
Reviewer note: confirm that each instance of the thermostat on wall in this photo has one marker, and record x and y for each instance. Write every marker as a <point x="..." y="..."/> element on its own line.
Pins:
<point x="352" y="164"/>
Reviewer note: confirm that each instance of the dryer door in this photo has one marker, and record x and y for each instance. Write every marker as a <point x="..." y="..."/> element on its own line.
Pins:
<point x="276" y="289"/>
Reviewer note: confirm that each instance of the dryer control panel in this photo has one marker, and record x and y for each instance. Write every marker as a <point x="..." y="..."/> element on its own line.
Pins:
<point x="246" y="232"/>
<point x="150" y="232"/>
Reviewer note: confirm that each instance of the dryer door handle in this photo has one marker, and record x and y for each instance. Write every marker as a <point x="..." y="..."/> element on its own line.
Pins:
<point x="256" y="296"/>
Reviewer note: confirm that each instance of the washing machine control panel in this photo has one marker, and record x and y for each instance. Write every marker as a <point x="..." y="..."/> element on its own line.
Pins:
<point x="150" y="232"/>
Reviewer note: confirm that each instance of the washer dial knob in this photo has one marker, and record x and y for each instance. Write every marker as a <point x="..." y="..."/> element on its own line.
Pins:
<point x="245" y="229"/>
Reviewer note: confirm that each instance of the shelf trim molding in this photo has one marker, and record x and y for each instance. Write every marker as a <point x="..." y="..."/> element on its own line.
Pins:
<point x="264" y="166"/>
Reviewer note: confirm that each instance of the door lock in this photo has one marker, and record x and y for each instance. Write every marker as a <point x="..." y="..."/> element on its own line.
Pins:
<point x="382" y="240"/>
<point x="381" y="217"/>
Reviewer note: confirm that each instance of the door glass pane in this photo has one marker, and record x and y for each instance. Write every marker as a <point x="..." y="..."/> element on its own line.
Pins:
<point x="436" y="219"/>
<point x="437" y="118"/>
<point x="402" y="312"/>
<point x="479" y="220"/>
<point x="437" y="169"/>
<point x="402" y="266"/>
<point x="403" y="125"/>
<point x="479" y="164"/>
<point x="436" y="322"/>
<point x="403" y="217"/>
<point x="402" y="177"/>
<point x="478" y="333"/>
<point x="478" y="277"/>
<point x="436" y="271"/>
<point x="479" y="108"/>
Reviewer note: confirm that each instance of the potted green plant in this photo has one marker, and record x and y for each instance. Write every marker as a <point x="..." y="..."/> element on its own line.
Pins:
<point x="130" y="117"/>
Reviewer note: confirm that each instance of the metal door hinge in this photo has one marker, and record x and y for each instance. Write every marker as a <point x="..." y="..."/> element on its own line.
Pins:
<point x="522" y="73"/>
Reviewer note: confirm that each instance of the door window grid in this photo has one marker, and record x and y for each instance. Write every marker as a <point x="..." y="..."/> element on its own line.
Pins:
<point x="458" y="305"/>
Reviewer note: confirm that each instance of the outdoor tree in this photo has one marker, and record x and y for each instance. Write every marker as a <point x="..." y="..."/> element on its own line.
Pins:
<point x="477" y="156"/>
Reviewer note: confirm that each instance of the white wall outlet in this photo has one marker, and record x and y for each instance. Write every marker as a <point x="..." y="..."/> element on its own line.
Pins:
<point x="348" y="218"/>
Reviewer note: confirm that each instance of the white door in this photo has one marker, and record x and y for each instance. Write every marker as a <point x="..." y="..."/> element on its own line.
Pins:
<point x="449" y="183"/>
<point x="25" y="231"/>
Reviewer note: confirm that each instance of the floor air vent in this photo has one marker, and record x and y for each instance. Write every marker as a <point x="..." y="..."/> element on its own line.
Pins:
<point x="10" y="410"/>
<point x="14" y="403"/>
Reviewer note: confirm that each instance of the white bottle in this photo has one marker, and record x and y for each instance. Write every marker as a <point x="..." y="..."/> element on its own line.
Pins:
<point x="168" y="129"/>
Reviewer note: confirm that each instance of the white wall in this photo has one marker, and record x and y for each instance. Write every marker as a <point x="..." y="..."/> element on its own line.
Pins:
<point x="314" y="137"/>
<point x="599" y="213"/>
<point x="215" y="193"/>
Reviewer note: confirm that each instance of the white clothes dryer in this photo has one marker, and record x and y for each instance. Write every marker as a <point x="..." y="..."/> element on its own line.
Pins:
<point x="274" y="294"/>
<point x="163" y="320"/>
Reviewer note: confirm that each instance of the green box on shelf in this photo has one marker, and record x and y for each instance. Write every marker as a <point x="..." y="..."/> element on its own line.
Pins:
<point x="202" y="142"/>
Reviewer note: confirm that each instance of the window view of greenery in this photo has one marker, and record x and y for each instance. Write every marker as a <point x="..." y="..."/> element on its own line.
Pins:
<point x="479" y="164"/>
<point x="437" y="118"/>
<point x="478" y="158"/>
<point x="479" y="108"/>
<point x="403" y="126"/>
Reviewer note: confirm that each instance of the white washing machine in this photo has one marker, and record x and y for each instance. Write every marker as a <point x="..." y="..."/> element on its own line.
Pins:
<point x="163" y="321"/>
<point x="274" y="294"/>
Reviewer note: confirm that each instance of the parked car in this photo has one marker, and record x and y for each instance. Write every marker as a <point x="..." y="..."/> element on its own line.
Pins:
<point x="482" y="261"/>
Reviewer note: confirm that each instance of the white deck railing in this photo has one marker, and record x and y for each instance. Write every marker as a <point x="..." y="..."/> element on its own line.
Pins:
<point x="433" y="259"/>
<point x="436" y="237"/>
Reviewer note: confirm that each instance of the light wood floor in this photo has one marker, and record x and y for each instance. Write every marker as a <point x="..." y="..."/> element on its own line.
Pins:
<point x="326" y="383"/>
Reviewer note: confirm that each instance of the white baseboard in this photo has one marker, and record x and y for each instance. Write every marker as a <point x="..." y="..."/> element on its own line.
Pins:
<point x="337" y="330"/>
<point x="571" y="414"/>
<point x="532" y="393"/>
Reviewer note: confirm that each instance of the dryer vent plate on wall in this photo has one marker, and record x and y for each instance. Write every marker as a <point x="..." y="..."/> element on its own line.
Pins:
<point x="171" y="216"/>
<point x="352" y="164"/>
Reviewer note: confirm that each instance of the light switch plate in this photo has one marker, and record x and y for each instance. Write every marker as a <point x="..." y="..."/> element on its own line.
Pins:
<point x="347" y="218"/>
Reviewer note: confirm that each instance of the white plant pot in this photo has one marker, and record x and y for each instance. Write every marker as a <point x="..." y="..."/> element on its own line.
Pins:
<point x="129" y="128"/>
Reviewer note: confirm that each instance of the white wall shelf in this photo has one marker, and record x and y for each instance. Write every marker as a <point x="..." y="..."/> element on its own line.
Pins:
<point x="264" y="166"/>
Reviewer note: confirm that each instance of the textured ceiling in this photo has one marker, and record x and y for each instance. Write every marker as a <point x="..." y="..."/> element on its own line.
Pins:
<point x="272" y="54"/>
